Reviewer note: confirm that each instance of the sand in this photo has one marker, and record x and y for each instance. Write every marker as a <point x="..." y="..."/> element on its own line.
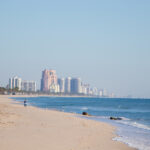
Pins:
<point x="30" y="128"/>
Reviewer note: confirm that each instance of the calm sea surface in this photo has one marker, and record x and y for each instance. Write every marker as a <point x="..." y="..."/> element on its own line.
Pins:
<point x="133" y="130"/>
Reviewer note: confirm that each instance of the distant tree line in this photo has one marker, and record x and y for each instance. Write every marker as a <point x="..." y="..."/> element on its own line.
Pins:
<point x="14" y="91"/>
<point x="5" y="90"/>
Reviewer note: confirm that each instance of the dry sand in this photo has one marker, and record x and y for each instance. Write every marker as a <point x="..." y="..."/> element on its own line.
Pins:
<point x="30" y="128"/>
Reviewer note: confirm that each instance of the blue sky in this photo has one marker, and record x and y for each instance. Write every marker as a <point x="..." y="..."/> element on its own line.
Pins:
<point x="106" y="43"/>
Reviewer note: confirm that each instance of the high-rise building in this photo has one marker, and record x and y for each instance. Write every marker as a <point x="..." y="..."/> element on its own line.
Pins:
<point x="61" y="83"/>
<point x="100" y="93"/>
<point x="90" y="91"/>
<point x="49" y="77"/>
<point x="105" y="94"/>
<point x="67" y="85"/>
<point x="54" y="88"/>
<point x="10" y="83"/>
<point x="76" y="85"/>
<point x="94" y="91"/>
<point x="85" y="89"/>
<point x="15" y="82"/>
<point x="28" y="86"/>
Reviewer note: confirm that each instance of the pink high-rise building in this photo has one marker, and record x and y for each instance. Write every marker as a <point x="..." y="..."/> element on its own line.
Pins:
<point x="49" y="77"/>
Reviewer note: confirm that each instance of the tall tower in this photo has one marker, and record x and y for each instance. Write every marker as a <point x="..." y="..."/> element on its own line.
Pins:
<point x="67" y="84"/>
<point x="61" y="83"/>
<point x="49" y="77"/>
<point x="15" y="82"/>
<point x="10" y="83"/>
<point x="76" y="85"/>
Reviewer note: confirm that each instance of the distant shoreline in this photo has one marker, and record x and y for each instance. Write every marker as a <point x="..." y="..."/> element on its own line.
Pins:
<point x="47" y="95"/>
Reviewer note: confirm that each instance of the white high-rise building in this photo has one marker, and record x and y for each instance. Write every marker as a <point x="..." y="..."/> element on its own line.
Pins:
<point x="61" y="83"/>
<point x="15" y="82"/>
<point x="105" y="93"/>
<point x="100" y="93"/>
<point x="54" y="88"/>
<point x="28" y="86"/>
<point x="85" y="89"/>
<point x="68" y="85"/>
<point x="95" y="91"/>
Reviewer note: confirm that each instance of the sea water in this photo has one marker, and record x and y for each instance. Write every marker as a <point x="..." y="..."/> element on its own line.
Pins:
<point x="133" y="129"/>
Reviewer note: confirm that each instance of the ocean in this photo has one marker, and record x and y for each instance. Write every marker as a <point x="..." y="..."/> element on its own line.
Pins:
<point x="133" y="129"/>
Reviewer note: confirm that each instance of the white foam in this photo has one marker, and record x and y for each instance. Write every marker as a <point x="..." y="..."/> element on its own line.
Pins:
<point x="133" y="143"/>
<point x="84" y="108"/>
<point x="123" y="118"/>
<point x="133" y="134"/>
<point x="134" y="124"/>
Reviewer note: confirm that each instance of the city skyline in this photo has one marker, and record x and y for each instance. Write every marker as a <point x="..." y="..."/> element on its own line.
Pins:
<point x="105" y="92"/>
<point x="104" y="42"/>
<point x="51" y="83"/>
<point x="22" y="85"/>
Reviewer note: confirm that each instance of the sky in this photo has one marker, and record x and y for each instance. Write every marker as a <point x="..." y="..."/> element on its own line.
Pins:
<point x="105" y="42"/>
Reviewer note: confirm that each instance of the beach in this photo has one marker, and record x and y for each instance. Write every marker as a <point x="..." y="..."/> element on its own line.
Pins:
<point x="23" y="128"/>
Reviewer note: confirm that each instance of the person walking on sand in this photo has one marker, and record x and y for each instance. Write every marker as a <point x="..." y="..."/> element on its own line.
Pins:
<point x="25" y="103"/>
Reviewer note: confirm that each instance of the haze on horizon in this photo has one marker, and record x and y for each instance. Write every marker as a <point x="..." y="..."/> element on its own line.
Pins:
<point x="106" y="43"/>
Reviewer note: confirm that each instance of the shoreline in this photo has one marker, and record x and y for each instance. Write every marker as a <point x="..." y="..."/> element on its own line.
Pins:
<point x="74" y="96"/>
<point x="50" y="129"/>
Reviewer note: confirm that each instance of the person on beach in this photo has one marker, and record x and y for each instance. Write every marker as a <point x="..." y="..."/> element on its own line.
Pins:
<point x="25" y="103"/>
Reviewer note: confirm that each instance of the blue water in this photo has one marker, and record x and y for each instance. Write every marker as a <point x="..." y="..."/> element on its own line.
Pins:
<point x="133" y="130"/>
